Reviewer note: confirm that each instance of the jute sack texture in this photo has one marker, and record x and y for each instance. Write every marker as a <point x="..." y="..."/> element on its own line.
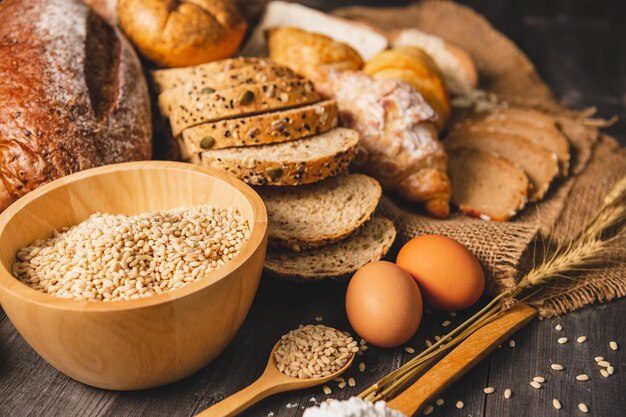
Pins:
<point x="598" y="163"/>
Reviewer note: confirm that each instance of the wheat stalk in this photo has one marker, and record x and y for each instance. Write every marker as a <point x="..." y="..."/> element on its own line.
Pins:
<point x="587" y="247"/>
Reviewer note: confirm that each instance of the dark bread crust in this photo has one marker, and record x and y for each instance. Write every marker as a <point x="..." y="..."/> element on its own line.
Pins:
<point x="73" y="95"/>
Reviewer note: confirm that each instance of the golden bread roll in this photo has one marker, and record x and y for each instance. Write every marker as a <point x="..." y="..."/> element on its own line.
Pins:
<point x="305" y="52"/>
<point x="415" y="67"/>
<point x="176" y="34"/>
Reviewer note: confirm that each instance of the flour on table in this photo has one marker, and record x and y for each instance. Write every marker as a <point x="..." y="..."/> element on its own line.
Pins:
<point x="352" y="407"/>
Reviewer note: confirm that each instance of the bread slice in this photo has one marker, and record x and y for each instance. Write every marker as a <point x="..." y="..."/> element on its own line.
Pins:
<point x="289" y="163"/>
<point x="534" y="126"/>
<point x="486" y="185"/>
<point x="190" y="109"/>
<point x="341" y="259"/>
<point x="539" y="164"/>
<point x="318" y="214"/>
<point x="263" y="129"/>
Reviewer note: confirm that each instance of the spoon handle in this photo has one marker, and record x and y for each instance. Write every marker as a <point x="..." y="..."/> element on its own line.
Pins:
<point x="241" y="400"/>
<point x="461" y="359"/>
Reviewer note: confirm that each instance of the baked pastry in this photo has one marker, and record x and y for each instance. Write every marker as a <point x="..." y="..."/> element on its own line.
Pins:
<point x="338" y="260"/>
<point x="73" y="95"/>
<point x="304" y="52"/>
<point x="399" y="145"/>
<point x="175" y="33"/>
<point x="415" y="67"/>
<point x="486" y="185"/>
<point x="318" y="214"/>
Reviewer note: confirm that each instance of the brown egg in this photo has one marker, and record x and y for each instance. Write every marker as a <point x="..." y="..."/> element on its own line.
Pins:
<point x="384" y="304"/>
<point x="449" y="276"/>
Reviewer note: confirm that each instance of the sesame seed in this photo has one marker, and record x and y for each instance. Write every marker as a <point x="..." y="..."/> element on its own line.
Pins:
<point x="429" y="409"/>
<point x="409" y="349"/>
<point x="610" y="370"/>
<point x="583" y="407"/>
<point x="512" y="343"/>
<point x="507" y="393"/>
<point x="440" y="401"/>
<point x="351" y="382"/>
<point x="556" y="367"/>
<point x="603" y="364"/>
<point x="535" y="384"/>
<point x="446" y="323"/>
<point x="556" y="404"/>
<point x="613" y="345"/>
<point x="558" y="327"/>
<point x="562" y="340"/>
<point x="598" y="358"/>
<point x="582" y="339"/>
<point x="539" y="379"/>
<point x="489" y="390"/>
<point x="582" y="377"/>
<point x="604" y="373"/>
<point x="327" y="390"/>
<point x="362" y="367"/>
<point x="460" y="405"/>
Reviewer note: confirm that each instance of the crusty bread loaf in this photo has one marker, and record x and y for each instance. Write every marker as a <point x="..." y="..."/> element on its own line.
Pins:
<point x="533" y="125"/>
<point x="210" y="104"/>
<point x="338" y="260"/>
<point x="289" y="163"/>
<point x="181" y="33"/>
<point x="318" y="214"/>
<point x="539" y="164"/>
<point x="72" y="96"/>
<point x="486" y="185"/>
<point x="263" y="129"/>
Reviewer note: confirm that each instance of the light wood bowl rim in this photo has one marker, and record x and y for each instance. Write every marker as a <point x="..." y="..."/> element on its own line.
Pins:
<point x="10" y="284"/>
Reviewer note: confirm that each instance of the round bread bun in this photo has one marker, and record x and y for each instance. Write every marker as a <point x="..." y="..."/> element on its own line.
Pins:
<point x="175" y="33"/>
<point x="466" y="62"/>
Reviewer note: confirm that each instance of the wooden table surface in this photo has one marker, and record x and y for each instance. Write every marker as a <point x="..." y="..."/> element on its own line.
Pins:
<point x="579" y="46"/>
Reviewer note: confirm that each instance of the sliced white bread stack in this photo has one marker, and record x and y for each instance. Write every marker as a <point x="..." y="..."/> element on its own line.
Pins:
<point x="268" y="127"/>
<point x="523" y="141"/>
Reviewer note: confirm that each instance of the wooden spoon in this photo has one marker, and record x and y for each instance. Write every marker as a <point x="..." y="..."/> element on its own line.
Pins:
<point x="271" y="382"/>
<point x="461" y="359"/>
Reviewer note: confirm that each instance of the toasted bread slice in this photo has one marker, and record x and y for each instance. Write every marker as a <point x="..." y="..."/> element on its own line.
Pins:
<point x="210" y="105"/>
<point x="539" y="164"/>
<point x="486" y="185"/>
<point x="263" y="129"/>
<point x="318" y="214"/>
<point x="289" y="163"/>
<point x="339" y="260"/>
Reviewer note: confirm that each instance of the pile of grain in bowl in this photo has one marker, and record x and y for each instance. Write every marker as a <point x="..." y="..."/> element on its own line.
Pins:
<point x="116" y="257"/>
<point x="314" y="351"/>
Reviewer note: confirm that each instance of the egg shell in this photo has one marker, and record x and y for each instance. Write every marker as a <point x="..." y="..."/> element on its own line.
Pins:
<point x="448" y="274"/>
<point x="383" y="304"/>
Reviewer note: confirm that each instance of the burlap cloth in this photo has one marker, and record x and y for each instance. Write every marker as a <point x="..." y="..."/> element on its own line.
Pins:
<point x="598" y="162"/>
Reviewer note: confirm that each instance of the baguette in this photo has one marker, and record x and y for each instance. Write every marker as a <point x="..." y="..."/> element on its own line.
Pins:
<point x="339" y="260"/>
<point x="262" y="129"/>
<point x="318" y="214"/>
<point x="289" y="163"/>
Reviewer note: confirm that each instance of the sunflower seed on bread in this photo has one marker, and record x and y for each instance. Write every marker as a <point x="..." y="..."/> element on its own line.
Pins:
<point x="342" y="259"/>
<point x="486" y="185"/>
<point x="289" y="163"/>
<point x="539" y="164"/>
<point x="262" y="129"/>
<point x="318" y="214"/>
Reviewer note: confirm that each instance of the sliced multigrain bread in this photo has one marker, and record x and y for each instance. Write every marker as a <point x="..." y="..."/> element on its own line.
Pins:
<point x="228" y="79"/>
<point x="539" y="164"/>
<point x="263" y="129"/>
<point x="486" y="185"/>
<point x="338" y="260"/>
<point x="186" y="110"/>
<point x="166" y="79"/>
<point x="318" y="214"/>
<point x="289" y="163"/>
<point x="537" y="127"/>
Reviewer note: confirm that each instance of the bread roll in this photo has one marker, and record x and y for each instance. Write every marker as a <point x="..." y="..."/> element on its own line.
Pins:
<point x="177" y="34"/>
<point x="73" y="95"/>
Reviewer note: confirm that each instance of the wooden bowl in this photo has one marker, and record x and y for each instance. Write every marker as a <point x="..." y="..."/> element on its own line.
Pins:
<point x="135" y="344"/>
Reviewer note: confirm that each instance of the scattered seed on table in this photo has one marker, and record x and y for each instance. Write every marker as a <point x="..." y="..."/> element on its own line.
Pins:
<point x="429" y="409"/>
<point x="440" y="401"/>
<point x="489" y="390"/>
<point x="603" y="364"/>
<point x="437" y="338"/>
<point x="535" y="384"/>
<point x="613" y="345"/>
<point x="452" y="313"/>
<point x="604" y="373"/>
<point x="362" y="367"/>
<point x="558" y="327"/>
<point x="362" y="342"/>
<point x="556" y="404"/>
<point x="507" y="393"/>
<point x="610" y="369"/>
<point x="539" y="379"/>
<point x="581" y="339"/>
<point x="562" y="340"/>
<point x="512" y="343"/>
<point x="409" y="349"/>
<point x="327" y="390"/>
<point x="319" y="318"/>
<point x="363" y="348"/>
<point x="428" y="343"/>
<point x="582" y="377"/>
<point x="460" y="405"/>
<point x="583" y="407"/>
<point x="556" y="367"/>
<point x="446" y="323"/>
<point x="351" y="382"/>
<point x="598" y="358"/>
<point x="342" y="385"/>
